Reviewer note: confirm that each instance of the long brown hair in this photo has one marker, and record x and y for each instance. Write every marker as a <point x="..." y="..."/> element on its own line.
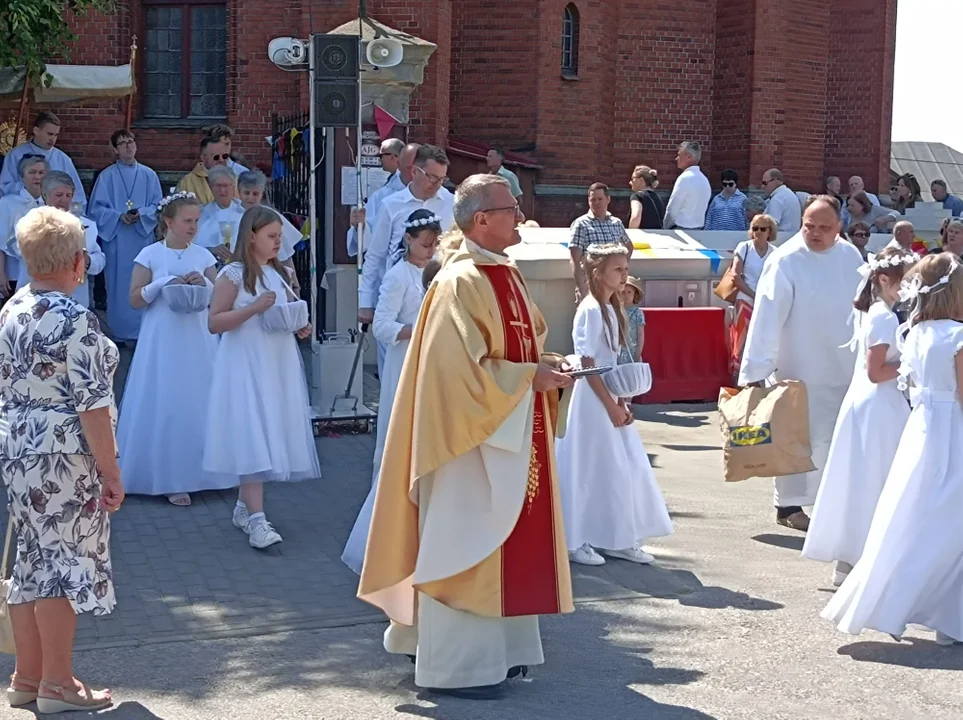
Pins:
<point x="871" y="290"/>
<point x="594" y="260"/>
<point x="254" y="220"/>
<point x="943" y="302"/>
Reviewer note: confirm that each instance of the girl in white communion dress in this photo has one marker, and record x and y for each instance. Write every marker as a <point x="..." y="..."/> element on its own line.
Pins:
<point x="911" y="569"/>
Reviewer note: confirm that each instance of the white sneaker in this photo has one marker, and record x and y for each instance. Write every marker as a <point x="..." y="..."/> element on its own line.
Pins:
<point x="841" y="572"/>
<point x="586" y="555"/>
<point x="945" y="640"/>
<point x="262" y="535"/>
<point x="240" y="519"/>
<point x="633" y="554"/>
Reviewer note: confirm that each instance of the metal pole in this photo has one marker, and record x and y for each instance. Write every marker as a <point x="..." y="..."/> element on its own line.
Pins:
<point x="312" y="202"/>
<point x="361" y="15"/>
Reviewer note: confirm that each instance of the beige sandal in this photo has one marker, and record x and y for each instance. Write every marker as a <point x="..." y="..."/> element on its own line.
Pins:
<point x="70" y="700"/>
<point x="19" y="698"/>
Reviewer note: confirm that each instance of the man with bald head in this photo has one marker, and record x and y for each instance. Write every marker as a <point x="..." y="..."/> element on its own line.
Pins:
<point x="800" y="330"/>
<point x="857" y="185"/>
<point x="903" y="235"/>
<point x="393" y="151"/>
<point x="467" y="546"/>
<point x="783" y="205"/>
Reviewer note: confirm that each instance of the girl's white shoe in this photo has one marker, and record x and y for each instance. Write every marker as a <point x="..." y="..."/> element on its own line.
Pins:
<point x="586" y="555"/>
<point x="945" y="640"/>
<point x="262" y="534"/>
<point x="633" y="554"/>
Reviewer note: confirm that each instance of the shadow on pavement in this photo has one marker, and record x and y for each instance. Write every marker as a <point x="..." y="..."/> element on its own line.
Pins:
<point x="671" y="417"/>
<point x="691" y="448"/>
<point x="598" y="669"/>
<point x="916" y="653"/>
<point x="789" y="542"/>
<point x="120" y="711"/>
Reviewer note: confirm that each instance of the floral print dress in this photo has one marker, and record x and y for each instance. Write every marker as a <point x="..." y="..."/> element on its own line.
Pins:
<point x="55" y="363"/>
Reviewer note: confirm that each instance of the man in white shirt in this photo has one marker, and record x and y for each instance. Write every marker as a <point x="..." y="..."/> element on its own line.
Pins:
<point x="393" y="152"/>
<point x="495" y="159"/>
<point x="800" y="330"/>
<point x="384" y="248"/>
<point x="856" y="185"/>
<point x="783" y="205"/>
<point x="903" y="235"/>
<point x="691" y="193"/>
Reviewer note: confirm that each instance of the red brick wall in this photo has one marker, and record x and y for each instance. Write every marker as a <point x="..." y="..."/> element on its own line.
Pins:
<point x="494" y="85"/>
<point x="862" y="46"/>
<point x="650" y="75"/>
<point x="664" y="85"/>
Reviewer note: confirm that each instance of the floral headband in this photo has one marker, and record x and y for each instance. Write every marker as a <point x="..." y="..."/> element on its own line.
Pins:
<point x="873" y="264"/>
<point x="422" y="222"/>
<point x="603" y="250"/>
<point x="914" y="288"/>
<point x="176" y="196"/>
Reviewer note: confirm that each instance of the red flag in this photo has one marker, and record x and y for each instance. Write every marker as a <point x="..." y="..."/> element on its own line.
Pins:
<point x="385" y="121"/>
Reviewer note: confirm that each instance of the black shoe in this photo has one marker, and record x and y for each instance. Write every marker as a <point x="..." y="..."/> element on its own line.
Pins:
<point x="412" y="658"/>
<point x="481" y="692"/>
<point x="514" y="671"/>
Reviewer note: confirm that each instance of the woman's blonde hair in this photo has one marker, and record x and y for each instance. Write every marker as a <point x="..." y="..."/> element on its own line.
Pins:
<point x="170" y="210"/>
<point x="49" y="240"/>
<point x="254" y="220"/>
<point x="893" y="270"/>
<point x="769" y="221"/>
<point x="941" y="301"/>
<point x="594" y="260"/>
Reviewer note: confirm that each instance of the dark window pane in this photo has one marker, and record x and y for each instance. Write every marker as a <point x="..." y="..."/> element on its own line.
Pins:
<point x="162" y="62"/>
<point x="208" y="61"/>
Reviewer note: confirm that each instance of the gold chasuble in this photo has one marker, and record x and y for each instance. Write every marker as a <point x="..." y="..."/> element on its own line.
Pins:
<point x="466" y="378"/>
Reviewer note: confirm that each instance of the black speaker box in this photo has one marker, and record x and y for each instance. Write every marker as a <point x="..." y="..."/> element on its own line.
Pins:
<point x="336" y="58"/>
<point x="336" y="104"/>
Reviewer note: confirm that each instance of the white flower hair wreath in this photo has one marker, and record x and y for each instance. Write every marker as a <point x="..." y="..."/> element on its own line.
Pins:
<point x="607" y="249"/>
<point x="176" y="196"/>
<point x="430" y="220"/>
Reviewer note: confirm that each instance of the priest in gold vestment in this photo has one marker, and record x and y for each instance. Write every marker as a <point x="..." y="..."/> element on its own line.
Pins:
<point x="467" y="545"/>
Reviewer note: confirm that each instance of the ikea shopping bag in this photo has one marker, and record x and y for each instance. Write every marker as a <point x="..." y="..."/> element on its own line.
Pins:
<point x="765" y="431"/>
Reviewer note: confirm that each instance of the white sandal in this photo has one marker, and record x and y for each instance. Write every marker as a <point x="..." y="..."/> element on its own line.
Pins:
<point x="19" y="698"/>
<point x="179" y="499"/>
<point x="71" y="700"/>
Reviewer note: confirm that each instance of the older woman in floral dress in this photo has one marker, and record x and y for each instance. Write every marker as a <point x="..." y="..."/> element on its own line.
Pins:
<point x="58" y="459"/>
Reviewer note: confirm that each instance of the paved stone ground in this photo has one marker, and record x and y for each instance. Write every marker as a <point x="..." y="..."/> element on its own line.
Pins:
<point x="725" y="625"/>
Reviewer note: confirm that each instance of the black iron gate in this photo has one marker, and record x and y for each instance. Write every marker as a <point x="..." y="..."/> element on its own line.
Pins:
<point x="291" y="195"/>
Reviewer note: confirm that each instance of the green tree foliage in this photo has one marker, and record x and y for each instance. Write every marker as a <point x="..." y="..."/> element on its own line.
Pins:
<point x="33" y="31"/>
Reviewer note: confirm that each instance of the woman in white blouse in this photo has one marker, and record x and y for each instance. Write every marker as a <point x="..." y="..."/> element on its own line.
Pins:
<point x="399" y="302"/>
<point x="748" y="260"/>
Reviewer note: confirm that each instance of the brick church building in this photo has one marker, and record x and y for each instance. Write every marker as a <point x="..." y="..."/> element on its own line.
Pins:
<point x="583" y="90"/>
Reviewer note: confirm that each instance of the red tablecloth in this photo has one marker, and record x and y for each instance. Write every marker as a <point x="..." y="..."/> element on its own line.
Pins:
<point x="687" y="352"/>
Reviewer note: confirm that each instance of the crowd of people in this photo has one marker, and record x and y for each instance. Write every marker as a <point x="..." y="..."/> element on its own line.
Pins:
<point x="496" y="463"/>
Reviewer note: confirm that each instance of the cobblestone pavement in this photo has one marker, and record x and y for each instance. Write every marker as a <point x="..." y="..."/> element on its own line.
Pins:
<point x="188" y="573"/>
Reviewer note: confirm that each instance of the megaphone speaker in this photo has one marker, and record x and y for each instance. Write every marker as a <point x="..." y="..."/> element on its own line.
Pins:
<point x="384" y="52"/>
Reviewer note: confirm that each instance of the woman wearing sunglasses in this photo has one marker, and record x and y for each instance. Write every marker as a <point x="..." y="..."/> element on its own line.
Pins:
<point x="858" y="235"/>
<point x="748" y="260"/>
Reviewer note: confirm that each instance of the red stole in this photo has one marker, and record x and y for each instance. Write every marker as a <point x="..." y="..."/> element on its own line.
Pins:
<point x="529" y="572"/>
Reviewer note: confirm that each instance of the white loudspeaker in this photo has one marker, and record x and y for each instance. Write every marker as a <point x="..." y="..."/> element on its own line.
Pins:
<point x="384" y="52"/>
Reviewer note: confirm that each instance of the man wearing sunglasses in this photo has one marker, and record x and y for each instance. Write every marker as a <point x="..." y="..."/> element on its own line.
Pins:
<point x="46" y="130"/>
<point x="727" y="209"/>
<point x="384" y="248"/>
<point x="213" y="153"/>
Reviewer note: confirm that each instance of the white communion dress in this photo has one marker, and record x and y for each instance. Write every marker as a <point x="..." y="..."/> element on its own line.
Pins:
<point x="867" y="434"/>
<point x="610" y="498"/>
<point x="259" y="423"/>
<point x="398" y="305"/>
<point x="163" y="414"/>
<point x="911" y="570"/>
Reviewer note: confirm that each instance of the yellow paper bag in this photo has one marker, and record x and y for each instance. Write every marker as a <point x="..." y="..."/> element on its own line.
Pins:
<point x="765" y="431"/>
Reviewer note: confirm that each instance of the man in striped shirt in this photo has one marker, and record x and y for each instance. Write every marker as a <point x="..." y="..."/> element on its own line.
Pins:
<point x="727" y="209"/>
